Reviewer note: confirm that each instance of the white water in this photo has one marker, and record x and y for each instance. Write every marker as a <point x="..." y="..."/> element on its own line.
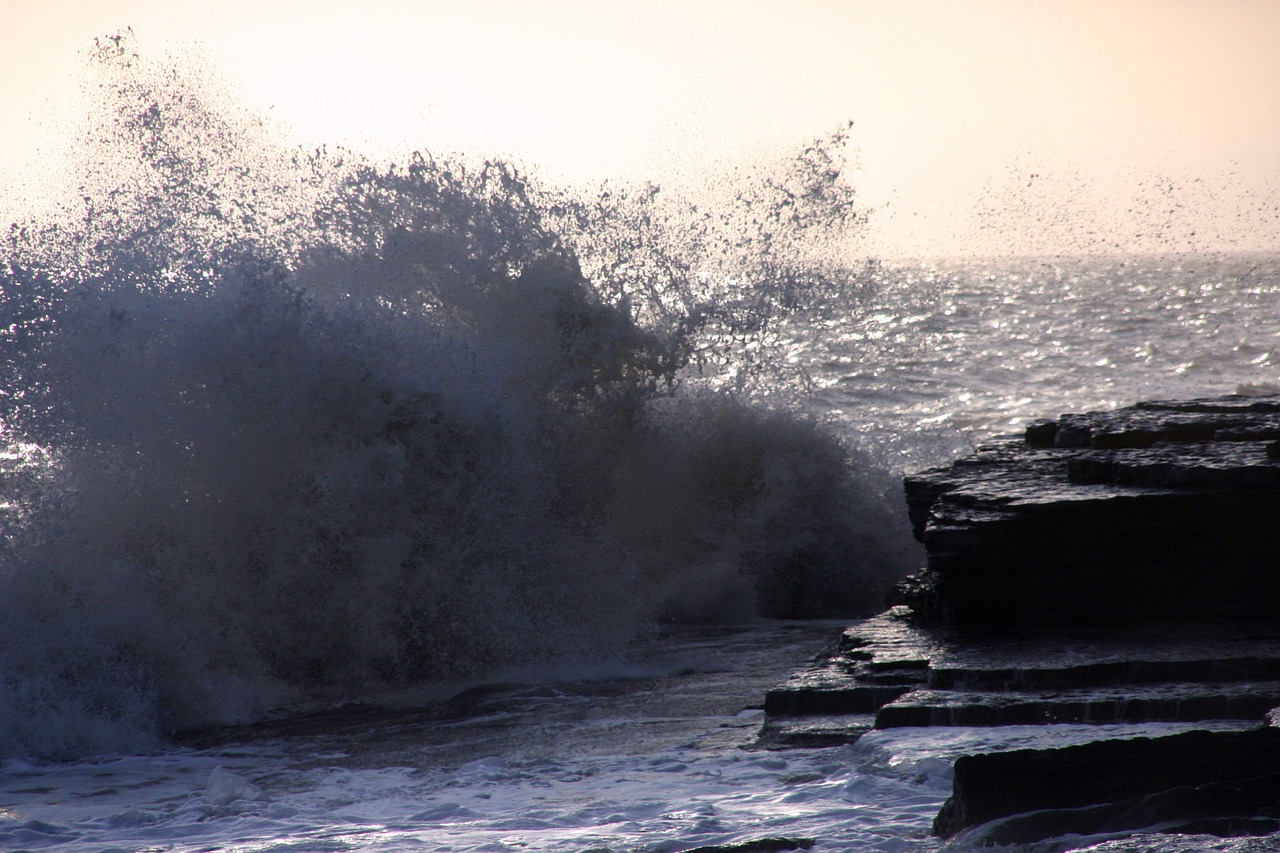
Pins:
<point x="660" y="760"/>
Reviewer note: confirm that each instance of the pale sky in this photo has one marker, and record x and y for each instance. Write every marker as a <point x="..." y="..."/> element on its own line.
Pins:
<point x="979" y="127"/>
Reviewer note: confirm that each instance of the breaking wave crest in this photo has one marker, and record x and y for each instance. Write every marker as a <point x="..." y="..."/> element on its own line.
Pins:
<point x="287" y="426"/>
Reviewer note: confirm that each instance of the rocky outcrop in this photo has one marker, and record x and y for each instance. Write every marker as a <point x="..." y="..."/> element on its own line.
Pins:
<point x="761" y="845"/>
<point x="1106" y="568"/>
<point x="894" y="671"/>
<point x="1161" y="510"/>
<point x="1216" y="783"/>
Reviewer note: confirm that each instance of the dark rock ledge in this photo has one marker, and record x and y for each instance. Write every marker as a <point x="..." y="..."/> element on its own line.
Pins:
<point x="1162" y="510"/>
<point x="1111" y="567"/>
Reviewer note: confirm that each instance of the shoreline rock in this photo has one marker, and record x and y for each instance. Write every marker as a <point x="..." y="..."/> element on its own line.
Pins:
<point x="1231" y="779"/>
<point x="1108" y="567"/>
<point x="1161" y="510"/>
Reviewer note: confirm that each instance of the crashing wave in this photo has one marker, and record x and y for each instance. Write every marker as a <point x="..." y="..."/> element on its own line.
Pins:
<point x="290" y="426"/>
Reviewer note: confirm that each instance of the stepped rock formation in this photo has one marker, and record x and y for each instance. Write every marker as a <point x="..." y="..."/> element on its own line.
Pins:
<point x="1105" y="568"/>
<point x="1162" y="510"/>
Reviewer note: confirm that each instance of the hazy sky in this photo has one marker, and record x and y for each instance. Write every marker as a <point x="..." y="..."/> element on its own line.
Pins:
<point x="978" y="126"/>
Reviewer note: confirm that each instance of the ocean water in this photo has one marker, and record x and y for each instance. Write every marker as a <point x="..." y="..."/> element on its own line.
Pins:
<point x="428" y="506"/>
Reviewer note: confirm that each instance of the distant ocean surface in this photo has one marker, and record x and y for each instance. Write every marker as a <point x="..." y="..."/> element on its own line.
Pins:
<point x="427" y="506"/>
<point x="975" y="348"/>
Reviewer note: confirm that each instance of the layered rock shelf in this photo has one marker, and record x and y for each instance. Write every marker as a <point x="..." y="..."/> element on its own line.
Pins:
<point x="1101" y="569"/>
<point x="1162" y="510"/>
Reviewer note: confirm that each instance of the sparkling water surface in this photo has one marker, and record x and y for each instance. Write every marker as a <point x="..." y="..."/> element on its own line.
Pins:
<point x="966" y="350"/>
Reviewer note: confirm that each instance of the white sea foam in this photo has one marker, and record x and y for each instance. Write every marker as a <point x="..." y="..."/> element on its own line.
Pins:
<point x="652" y="764"/>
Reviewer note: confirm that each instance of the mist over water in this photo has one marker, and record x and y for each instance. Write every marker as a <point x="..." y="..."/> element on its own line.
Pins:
<point x="289" y="427"/>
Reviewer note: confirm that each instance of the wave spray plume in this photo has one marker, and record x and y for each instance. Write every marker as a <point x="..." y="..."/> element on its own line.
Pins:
<point x="289" y="427"/>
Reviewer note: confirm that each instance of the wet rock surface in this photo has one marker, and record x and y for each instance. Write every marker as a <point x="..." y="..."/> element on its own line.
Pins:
<point x="1104" y="568"/>
<point x="1189" y="780"/>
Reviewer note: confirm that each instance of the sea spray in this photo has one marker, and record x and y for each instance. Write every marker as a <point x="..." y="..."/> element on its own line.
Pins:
<point x="303" y="427"/>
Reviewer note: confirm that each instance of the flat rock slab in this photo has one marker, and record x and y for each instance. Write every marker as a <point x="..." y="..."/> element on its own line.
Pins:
<point x="813" y="730"/>
<point x="1172" y="703"/>
<point x="1100" y="655"/>
<point x="897" y="670"/>
<point x="872" y="664"/>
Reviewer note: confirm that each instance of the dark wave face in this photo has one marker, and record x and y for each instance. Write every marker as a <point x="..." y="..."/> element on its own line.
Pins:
<point x="289" y="426"/>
